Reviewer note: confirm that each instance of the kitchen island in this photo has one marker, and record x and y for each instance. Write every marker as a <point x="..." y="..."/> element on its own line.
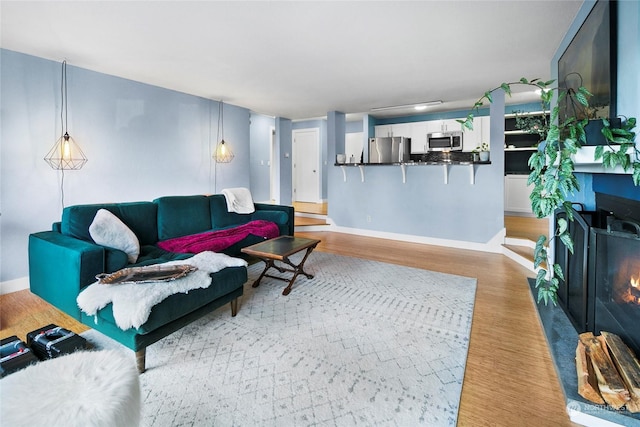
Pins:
<point x="435" y="158"/>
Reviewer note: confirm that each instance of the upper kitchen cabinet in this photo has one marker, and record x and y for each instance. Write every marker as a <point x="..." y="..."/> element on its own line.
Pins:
<point x="396" y="129"/>
<point x="418" y="131"/>
<point x="447" y="125"/>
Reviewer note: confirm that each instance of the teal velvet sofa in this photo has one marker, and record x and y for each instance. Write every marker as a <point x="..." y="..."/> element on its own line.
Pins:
<point x="63" y="261"/>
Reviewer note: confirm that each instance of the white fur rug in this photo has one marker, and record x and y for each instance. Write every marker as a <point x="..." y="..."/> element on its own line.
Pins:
<point x="362" y="343"/>
<point x="88" y="388"/>
<point x="132" y="302"/>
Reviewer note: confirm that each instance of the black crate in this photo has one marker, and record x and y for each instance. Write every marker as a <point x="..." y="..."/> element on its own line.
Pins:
<point x="14" y="355"/>
<point x="52" y="341"/>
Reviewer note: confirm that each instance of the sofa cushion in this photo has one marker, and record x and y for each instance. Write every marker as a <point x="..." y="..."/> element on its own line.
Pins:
<point x="140" y="217"/>
<point x="178" y="305"/>
<point x="278" y="217"/>
<point x="150" y="255"/>
<point x="114" y="260"/>
<point x="221" y="217"/>
<point x="108" y="230"/>
<point x="182" y="215"/>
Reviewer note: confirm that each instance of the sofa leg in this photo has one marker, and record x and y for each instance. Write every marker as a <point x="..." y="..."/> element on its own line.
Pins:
<point x="234" y="307"/>
<point x="140" y="359"/>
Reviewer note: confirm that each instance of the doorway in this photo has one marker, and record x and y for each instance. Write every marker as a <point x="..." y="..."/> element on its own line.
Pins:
<point x="306" y="165"/>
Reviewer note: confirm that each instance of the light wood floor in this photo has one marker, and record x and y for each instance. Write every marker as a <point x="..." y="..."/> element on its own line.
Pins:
<point x="524" y="227"/>
<point x="509" y="380"/>
<point x="312" y="208"/>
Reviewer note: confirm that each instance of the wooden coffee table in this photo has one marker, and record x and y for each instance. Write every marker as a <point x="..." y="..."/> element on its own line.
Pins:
<point x="280" y="249"/>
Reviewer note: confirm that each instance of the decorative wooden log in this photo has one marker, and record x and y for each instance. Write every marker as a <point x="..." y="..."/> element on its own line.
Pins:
<point x="587" y="382"/>
<point x="628" y="367"/>
<point x="611" y="386"/>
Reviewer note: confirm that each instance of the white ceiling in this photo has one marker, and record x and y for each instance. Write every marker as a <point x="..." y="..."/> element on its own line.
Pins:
<point x="300" y="59"/>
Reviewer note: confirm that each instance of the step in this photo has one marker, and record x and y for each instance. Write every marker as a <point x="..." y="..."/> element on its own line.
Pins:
<point x="521" y="251"/>
<point x="304" y="221"/>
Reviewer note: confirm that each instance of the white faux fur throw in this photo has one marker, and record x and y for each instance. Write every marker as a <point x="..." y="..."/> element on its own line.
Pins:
<point x="132" y="302"/>
<point x="239" y="200"/>
<point x="86" y="388"/>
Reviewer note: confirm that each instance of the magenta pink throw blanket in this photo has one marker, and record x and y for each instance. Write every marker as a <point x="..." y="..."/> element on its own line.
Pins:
<point x="217" y="241"/>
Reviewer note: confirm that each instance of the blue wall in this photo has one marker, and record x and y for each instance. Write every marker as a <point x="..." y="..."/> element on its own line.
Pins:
<point x="260" y="156"/>
<point x="628" y="92"/>
<point x="354" y="127"/>
<point x="285" y="160"/>
<point x="142" y="142"/>
<point x="444" y="115"/>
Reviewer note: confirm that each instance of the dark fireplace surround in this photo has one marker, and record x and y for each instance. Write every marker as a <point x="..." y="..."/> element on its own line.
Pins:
<point x="601" y="290"/>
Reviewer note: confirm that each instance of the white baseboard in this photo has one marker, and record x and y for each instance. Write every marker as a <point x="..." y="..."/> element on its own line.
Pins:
<point x="515" y="241"/>
<point x="494" y="245"/>
<point x="14" y="285"/>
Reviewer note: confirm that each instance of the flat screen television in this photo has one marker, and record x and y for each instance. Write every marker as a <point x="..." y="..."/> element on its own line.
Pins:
<point x="590" y="61"/>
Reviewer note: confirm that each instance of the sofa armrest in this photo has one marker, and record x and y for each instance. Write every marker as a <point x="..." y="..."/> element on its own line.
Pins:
<point x="282" y="208"/>
<point x="60" y="266"/>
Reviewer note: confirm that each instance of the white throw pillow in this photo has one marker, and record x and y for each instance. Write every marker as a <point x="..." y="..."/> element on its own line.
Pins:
<point x="108" y="230"/>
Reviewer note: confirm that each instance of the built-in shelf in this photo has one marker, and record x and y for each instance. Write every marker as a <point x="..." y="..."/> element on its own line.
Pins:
<point x="523" y="114"/>
<point x="521" y="149"/>
<point x="517" y="132"/>
<point x="520" y="143"/>
<point x="403" y="168"/>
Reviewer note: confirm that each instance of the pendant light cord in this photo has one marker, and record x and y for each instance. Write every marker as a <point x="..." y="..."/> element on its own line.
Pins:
<point x="213" y="150"/>
<point x="63" y="122"/>
<point x="220" y="120"/>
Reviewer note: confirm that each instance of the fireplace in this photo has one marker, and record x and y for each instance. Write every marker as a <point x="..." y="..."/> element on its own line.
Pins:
<point x="615" y="272"/>
<point x="601" y="290"/>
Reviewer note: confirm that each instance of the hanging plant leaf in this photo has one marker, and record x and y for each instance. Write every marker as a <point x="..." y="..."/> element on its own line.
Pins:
<point x="636" y="174"/>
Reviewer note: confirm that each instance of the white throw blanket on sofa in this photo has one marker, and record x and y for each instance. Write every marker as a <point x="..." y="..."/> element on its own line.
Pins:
<point x="132" y="302"/>
<point x="239" y="200"/>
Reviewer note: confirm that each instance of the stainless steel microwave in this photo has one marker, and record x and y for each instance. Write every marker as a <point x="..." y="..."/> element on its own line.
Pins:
<point x="444" y="141"/>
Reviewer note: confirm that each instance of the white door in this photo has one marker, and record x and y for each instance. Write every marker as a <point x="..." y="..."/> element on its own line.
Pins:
<point x="306" y="165"/>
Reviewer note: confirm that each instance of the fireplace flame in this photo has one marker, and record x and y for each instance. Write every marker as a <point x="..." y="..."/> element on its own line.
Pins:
<point x="633" y="292"/>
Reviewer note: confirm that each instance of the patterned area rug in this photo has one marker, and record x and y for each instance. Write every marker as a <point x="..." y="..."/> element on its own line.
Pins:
<point x="362" y="343"/>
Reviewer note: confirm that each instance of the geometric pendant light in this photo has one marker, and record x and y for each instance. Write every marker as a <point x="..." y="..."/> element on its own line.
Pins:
<point x="223" y="153"/>
<point x="66" y="153"/>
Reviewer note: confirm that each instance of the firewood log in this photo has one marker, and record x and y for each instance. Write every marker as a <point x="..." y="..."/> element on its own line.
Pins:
<point x="587" y="381"/>
<point x="628" y="367"/>
<point x="610" y="384"/>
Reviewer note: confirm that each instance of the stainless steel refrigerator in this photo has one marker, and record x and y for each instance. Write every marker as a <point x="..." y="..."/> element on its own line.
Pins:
<point x="391" y="149"/>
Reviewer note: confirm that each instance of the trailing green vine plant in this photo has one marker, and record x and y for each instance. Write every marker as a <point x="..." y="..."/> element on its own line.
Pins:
<point x="552" y="167"/>
<point x="538" y="125"/>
